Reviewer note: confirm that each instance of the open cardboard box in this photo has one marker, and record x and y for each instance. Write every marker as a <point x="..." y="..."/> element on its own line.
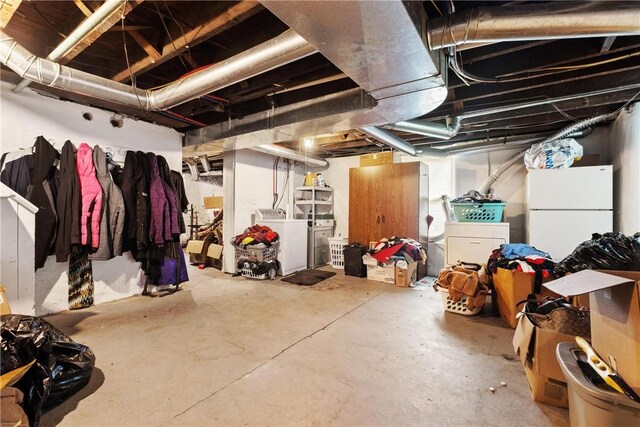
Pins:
<point x="614" y="298"/>
<point x="512" y="287"/>
<point x="214" y="253"/>
<point x="536" y="349"/>
<point x="406" y="276"/>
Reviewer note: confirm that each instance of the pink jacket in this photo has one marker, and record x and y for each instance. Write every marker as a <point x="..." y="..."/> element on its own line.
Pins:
<point x="91" y="193"/>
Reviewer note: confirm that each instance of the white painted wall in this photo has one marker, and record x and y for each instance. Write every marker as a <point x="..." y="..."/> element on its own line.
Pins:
<point x="337" y="177"/>
<point x="624" y="149"/>
<point x="248" y="185"/>
<point x="470" y="171"/>
<point x="197" y="191"/>
<point x="26" y="115"/>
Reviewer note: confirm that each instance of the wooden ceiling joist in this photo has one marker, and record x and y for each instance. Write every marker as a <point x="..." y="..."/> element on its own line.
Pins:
<point x="83" y="8"/>
<point x="104" y="26"/>
<point x="208" y="28"/>
<point x="7" y="9"/>
<point x="144" y="44"/>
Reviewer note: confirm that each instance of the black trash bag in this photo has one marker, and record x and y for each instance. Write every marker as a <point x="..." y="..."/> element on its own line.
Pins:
<point x="609" y="251"/>
<point x="62" y="366"/>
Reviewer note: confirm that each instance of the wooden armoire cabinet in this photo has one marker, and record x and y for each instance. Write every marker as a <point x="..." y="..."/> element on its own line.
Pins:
<point x="388" y="200"/>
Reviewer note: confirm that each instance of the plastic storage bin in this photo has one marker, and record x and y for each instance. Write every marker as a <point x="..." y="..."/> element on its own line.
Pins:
<point x="478" y="212"/>
<point x="590" y="405"/>
<point x="336" y="247"/>
<point x="458" y="307"/>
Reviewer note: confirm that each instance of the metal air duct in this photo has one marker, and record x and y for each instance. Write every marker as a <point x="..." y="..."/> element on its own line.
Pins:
<point x="391" y="140"/>
<point x="278" y="151"/>
<point x="273" y="53"/>
<point x="552" y="20"/>
<point x="105" y="10"/>
<point x="426" y="128"/>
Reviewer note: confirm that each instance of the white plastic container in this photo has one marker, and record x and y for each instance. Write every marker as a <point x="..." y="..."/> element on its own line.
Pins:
<point x="458" y="307"/>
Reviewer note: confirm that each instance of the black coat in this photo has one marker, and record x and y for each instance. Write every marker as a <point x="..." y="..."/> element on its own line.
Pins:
<point x="43" y="194"/>
<point x="181" y="195"/>
<point x="17" y="174"/>
<point x="68" y="204"/>
<point x="129" y="194"/>
<point x="143" y="207"/>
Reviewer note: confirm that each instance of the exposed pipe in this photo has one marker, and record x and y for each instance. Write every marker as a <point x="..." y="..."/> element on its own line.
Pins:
<point x="273" y="53"/>
<point x="105" y="10"/>
<point x="582" y="124"/>
<point x="426" y="128"/>
<point x="391" y="140"/>
<point x="278" y="151"/>
<point x="553" y="20"/>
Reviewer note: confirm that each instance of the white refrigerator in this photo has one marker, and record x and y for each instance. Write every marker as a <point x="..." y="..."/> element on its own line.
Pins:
<point x="566" y="206"/>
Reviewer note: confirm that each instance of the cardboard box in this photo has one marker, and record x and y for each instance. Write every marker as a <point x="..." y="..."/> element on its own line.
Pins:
<point x="213" y="202"/>
<point x="406" y="276"/>
<point x="536" y="349"/>
<point x="375" y="159"/>
<point x="213" y="257"/>
<point x="4" y="303"/>
<point x="614" y="297"/>
<point x="385" y="273"/>
<point x="512" y="287"/>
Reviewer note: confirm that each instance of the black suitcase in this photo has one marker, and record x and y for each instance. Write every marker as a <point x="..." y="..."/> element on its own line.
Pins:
<point x="353" y="265"/>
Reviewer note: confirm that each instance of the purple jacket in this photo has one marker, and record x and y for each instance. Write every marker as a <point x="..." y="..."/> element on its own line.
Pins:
<point x="160" y="218"/>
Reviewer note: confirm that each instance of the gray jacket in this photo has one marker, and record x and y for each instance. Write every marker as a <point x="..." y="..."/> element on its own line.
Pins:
<point x="112" y="222"/>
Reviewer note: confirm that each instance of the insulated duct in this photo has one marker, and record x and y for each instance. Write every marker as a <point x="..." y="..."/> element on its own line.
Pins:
<point x="426" y="128"/>
<point x="582" y="124"/>
<point x="552" y="20"/>
<point x="277" y="151"/>
<point x="105" y="10"/>
<point x="271" y="54"/>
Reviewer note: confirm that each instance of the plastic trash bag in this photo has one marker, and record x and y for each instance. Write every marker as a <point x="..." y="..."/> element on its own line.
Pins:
<point x="553" y="155"/>
<point x="609" y="251"/>
<point x="62" y="367"/>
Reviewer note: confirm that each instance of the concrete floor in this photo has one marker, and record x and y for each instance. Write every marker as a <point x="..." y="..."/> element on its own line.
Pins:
<point x="347" y="351"/>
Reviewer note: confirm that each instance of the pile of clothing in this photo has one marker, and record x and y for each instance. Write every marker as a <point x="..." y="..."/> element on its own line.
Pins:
<point x="462" y="281"/>
<point x="91" y="208"/>
<point x="522" y="257"/>
<point x="257" y="267"/>
<point x="257" y="236"/>
<point x="395" y="249"/>
<point x="473" y="196"/>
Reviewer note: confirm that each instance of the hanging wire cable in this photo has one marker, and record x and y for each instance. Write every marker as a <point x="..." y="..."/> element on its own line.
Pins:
<point x="627" y="103"/>
<point x="436" y="6"/>
<point x="179" y="26"/>
<point x="170" y="38"/>
<point x="126" y="57"/>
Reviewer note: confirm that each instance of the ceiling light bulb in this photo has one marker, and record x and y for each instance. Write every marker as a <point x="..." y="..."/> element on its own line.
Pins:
<point x="308" y="141"/>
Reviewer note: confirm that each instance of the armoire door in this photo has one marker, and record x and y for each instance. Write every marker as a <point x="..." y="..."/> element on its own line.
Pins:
<point x="397" y="200"/>
<point x="383" y="201"/>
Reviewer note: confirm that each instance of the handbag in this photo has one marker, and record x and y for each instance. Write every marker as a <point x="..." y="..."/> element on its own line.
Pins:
<point x="564" y="318"/>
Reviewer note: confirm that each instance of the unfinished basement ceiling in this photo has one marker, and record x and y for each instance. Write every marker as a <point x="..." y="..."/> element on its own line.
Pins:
<point x="158" y="42"/>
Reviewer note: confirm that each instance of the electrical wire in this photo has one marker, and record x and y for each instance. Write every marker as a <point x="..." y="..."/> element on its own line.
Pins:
<point x="582" y="66"/>
<point x="179" y="26"/>
<point x="46" y="20"/>
<point x="627" y="103"/>
<point x="284" y="187"/>
<point x="436" y="6"/>
<point x="170" y="38"/>
<point x="126" y="57"/>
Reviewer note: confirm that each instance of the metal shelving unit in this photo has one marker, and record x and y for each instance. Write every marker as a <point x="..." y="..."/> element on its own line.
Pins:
<point x="315" y="204"/>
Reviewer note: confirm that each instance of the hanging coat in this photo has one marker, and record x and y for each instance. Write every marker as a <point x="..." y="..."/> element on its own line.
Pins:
<point x="68" y="204"/>
<point x="143" y="202"/>
<point x="181" y="195"/>
<point x="43" y="194"/>
<point x="112" y="221"/>
<point x="17" y="170"/>
<point x="170" y="193"/>
<point x="160" y="219"/>
<point x="129" y="195"/>
<point x="91" y="193"/>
